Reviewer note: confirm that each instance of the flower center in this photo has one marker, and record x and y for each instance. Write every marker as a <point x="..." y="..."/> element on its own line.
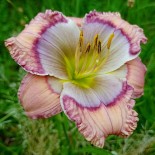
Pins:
<point x="89" y="59"/>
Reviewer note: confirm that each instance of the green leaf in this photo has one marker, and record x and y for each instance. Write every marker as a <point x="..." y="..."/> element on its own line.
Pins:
<point x="94" y="150"/>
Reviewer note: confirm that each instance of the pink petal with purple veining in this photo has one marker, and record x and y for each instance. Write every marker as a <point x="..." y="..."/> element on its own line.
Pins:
<point x="39" y="96"/>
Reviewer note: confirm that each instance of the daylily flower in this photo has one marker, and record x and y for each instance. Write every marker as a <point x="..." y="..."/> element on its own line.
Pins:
<point x="88" y="68"/>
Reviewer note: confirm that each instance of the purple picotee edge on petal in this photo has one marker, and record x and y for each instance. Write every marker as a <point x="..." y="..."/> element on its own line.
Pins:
<point x="125" y="89"/>
<point x="89" y="18"/>
<point x="56" y="17"/>
<point x="16" y="52"/>
<point x="99" y="17"/>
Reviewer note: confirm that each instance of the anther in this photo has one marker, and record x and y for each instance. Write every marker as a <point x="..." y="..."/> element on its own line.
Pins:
<point x="87" y="48"/>
<point x="95" y="40"/>
<point x="81" y="40"/>
<point x="99" y="47"/>
<point x="110" y="40"/>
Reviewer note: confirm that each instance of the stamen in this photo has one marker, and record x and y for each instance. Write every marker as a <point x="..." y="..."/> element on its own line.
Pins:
<point x="78" y="52"/>
<point x="88" y="58"/>
<point x="110" y="40"/>
<point x="85" y="60"/>
<point x="95" y="55"/>
<point x="103" y="60"/>
<point x="81" y="33"/>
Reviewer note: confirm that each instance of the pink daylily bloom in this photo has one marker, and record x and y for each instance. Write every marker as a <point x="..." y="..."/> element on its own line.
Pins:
<point x="88" y="68"/>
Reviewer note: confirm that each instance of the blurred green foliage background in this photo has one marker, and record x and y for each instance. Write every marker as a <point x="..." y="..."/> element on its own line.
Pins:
<point x="57" y="135"/>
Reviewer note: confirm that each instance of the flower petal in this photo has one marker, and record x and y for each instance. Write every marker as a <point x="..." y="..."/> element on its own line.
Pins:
<point x="135" y="76"/>
<point x="120" y="73"/>
<point x="103" y="90"/>
<point x="125" y="44"/>
<point x="41" y="47"/>
<point x="78" y="21"/>
<point x="133" y="72"/>
<point x="96" y="123"/>
<point x="40" y="96"/>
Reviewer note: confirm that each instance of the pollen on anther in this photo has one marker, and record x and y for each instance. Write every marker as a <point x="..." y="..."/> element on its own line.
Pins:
<point x="99" y="47"/>
<point x="95" y="40"/>
<point x="88" y="48"/>
<point x="81" y="39"/>
<point x="110" y="40"/>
